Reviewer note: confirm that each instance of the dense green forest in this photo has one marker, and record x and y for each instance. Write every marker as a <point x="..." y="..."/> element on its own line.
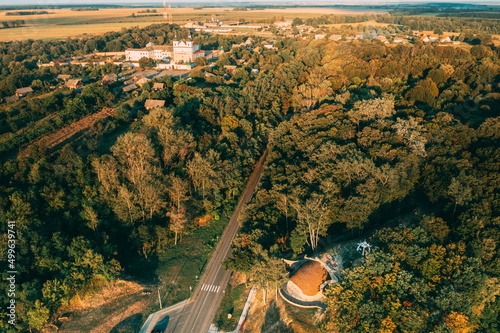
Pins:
<point x="358" y="134"/>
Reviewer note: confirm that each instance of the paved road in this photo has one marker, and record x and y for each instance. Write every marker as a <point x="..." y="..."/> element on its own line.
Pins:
<point x="197" y="315"/>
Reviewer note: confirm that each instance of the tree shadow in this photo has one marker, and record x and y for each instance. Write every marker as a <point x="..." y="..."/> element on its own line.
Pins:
<point x="130" y="324"/>
<point x="273" y="322"/>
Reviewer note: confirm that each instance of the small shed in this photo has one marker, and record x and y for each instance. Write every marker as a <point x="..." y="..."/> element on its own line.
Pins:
<point x="153" y="104"/>
<point x="22" y="92"/>
<point x="74" y="84"/>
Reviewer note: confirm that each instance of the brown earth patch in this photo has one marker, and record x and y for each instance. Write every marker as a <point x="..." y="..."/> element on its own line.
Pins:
<point x="116" y="308"/>
<point x="70" y="132"/>
<point x="309" y="277"/>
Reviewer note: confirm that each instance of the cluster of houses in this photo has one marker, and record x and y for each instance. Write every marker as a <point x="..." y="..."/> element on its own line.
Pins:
<point x="131" y="81"/>
<point x="428" y="37"/>
<point x="423" y="36"/>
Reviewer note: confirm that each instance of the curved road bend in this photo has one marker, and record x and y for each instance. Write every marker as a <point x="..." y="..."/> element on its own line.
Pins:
<point x="198" y="314"/>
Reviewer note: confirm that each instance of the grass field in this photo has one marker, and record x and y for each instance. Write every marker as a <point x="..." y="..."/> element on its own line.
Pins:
<point x="67" y="23"/>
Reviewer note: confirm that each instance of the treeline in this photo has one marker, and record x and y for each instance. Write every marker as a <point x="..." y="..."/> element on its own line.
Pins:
<point x="84" y="9"/>
<point x="148" y="11"/>
<point x="37" y="12"/>
<point x="480" y="14"/>
<point x="12" y="24"/>
<point x="451" y="24"/>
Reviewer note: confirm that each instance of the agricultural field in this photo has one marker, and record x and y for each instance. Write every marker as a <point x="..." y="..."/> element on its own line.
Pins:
<point x="67" y="23"/>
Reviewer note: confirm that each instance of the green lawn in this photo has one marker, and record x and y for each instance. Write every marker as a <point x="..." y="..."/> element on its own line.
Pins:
<point x="232" y="303"/>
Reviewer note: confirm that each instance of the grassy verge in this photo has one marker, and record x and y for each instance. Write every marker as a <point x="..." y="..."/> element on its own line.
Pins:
<point x="180" y="267"/>
<point x="232" y="303"/>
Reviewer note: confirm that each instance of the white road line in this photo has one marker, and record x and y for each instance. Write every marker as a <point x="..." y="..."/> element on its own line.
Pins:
<point x="212" y="289"/>
<point x="203" y="288"/>
<point x="217" y="289"/>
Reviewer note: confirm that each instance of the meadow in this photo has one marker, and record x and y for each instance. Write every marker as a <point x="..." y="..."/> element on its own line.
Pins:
<point x="67" y="23"/>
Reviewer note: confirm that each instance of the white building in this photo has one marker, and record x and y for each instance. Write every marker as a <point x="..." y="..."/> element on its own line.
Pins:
<point x="184" y="51"/>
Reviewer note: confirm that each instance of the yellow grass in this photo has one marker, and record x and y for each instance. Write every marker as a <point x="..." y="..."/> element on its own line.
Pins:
<point x="67" y="23"/>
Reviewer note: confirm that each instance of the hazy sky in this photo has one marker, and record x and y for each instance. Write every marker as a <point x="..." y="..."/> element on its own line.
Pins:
<point x="139" y="2"/>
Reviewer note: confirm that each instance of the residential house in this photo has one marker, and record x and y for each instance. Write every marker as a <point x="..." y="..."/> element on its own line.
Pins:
<point x="445" y="39"/>
<point x="336" y="37"/>
<point x="319" y="36"/>
<point x="153" y="104"/>
<point x="142" y="81"/>
<point x="23" y="92"/>
<point x="382" y="39"/>
<point x="130" y="87"/>
<point x="398" y="40"/>
<point x="74" y="84"/>
<point x="230" y="69"/>
<point x="255" y="71"/>
<point x="158" y="86"/>
<point x="109" y="79"/>
<point x="11" y="99"/>
<point x="433" y="37"/>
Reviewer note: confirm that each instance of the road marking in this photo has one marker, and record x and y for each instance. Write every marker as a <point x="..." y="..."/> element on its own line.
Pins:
<point x="210" y="288"/>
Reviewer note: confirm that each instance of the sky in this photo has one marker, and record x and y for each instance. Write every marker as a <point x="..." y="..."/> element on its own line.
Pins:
<point x="149" y="2"/>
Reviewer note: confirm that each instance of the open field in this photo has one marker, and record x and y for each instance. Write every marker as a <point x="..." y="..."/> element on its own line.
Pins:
<point x="67" y="23"/>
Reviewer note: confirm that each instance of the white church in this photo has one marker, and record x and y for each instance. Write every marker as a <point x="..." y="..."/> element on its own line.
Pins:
<point x="181" y="53"/>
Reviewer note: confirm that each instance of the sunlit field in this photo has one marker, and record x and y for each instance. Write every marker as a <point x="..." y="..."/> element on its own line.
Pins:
<point x="67" y="23"/>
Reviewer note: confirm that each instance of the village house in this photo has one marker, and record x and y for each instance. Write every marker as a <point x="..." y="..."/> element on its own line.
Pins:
<point x="11" y="99"/>
<point x="335" y="37"/>
<point x="130" y="87"/>
<point x="74" y="84"/>
<point x="319" y="36"/>
<point x="445" y="39"/>
<point x="230" y="69"/>
<point x="286" y="24"/>
<point x="158" y="86"/>
<point x="153" y="104"/>
<point x="23" y="92"/>
<point x="109" y="79"/>
<point x="142" y="82"/>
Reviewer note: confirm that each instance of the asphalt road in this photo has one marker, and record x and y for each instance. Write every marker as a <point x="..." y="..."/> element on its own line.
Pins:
<point x="197" y="315"/>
